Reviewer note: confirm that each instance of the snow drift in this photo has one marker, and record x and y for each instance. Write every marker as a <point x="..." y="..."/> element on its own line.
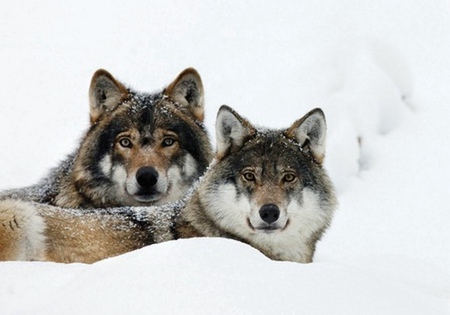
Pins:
<point x="379" y="70"/>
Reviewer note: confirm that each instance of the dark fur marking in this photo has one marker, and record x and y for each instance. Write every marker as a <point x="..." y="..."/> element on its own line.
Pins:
<point x="105" y="144"/>
<point x="189" y="142"/>
<point x="146" y="118"/>
<point x="15" y="222"/>
<point x="147" y="140"/>
<point x="191" y="91"/>
<point x="101" y="95"/>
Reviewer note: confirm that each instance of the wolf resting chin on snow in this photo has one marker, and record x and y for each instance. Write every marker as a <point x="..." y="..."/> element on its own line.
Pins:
<point x="265" y="187"/>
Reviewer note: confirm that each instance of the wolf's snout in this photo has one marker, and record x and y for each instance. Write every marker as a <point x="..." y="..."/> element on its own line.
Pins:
<point x="147" y="177"/>
<point x="269" y="213"/>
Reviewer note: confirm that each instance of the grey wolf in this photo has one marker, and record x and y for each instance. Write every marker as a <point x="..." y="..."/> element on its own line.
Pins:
<point x="140" y="149"/>
<point x="267" y="188"/>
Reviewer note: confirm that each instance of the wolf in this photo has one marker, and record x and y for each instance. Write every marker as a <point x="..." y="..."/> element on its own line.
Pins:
<point x="140" y="149"/>
<point x="267" y="188"/>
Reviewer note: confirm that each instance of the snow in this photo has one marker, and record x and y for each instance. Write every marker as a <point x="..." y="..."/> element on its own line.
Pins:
<point x="379" y="70"/>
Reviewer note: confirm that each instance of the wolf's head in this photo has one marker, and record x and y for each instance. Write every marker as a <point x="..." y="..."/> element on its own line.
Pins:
<point x="142" y="148"/>
<point x="268" y="187"/>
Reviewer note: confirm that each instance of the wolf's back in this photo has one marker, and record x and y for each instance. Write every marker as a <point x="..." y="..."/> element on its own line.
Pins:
<point x="47" y="188"/>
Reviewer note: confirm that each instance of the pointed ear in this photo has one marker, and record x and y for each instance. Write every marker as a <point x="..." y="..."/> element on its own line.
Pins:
<point x="310" y="132"/>
<point x="105" y="93"/>
<point x="187" y="90"/>
<point x="231" y="131"/>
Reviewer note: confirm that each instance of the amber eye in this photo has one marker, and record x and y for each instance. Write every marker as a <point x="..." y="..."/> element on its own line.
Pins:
<point x="289" y="178"/>
<point x="125" y="142"/>
<point x="249" y="176"/>
<point x="167" y="142"/>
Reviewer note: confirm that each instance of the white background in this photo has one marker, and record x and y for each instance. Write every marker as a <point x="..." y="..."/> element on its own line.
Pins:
<point x="379" y="69"/>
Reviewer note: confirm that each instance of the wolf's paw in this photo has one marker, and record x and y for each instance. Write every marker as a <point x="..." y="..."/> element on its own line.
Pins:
<point x="21" y="231"/>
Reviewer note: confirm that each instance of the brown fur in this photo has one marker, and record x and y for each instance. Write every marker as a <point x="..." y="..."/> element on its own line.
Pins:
<point x="98" y="86"/>
<point x="139" y="155"/>
<point x="101" y="171"/>
<point x="178" y="87"/>
<point x="10" y="239"/>
<point x="96" y="239"/>
<point x="21" y="232"/>
<point x="221" y="205"/>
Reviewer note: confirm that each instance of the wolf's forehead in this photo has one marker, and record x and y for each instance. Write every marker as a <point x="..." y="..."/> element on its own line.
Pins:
<point x="274" y="142"/>
<point x="274" y="150"/>
<point x="142" y="100"/>
<point x="142" y="103"/>
<point x="142" y="111"/>
<point x="148" y="120"/>
<point x="136" y="101"/>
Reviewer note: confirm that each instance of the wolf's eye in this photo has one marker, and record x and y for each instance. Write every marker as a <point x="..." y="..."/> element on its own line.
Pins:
<point x="167" y="142"/>
<point x="125" y="142"/>
<point x="289" y="178"/>
<point x="249" y="176"/>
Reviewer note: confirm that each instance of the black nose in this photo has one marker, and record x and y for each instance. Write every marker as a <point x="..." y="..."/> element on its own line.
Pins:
<point x="147" y="176"/>
<point x="269" y="213"/>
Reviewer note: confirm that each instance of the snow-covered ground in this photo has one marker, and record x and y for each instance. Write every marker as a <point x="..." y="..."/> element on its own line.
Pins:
<point x="379" y="69"/>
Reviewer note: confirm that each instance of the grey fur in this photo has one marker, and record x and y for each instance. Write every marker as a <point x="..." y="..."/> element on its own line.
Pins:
<point x="256" y="172"/>
<point x="80" y="181"/>
<point x="268" y="152"/>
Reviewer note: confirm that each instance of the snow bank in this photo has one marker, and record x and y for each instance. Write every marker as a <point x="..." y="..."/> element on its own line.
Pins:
<point x="217" y="276"/>
<point x="381" y="72"/>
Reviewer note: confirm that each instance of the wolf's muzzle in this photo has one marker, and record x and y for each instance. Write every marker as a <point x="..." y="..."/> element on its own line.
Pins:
<point x="269" y="213"/>
<point x="147" y="177"/>
<point x="147" y="185"/>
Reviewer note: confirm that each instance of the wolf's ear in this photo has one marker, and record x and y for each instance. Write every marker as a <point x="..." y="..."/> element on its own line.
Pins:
<point x="231" y="131"/>
<point x="310" y="132"/>
<point x="187" y="90"/>
<point x="105" y="93"/>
